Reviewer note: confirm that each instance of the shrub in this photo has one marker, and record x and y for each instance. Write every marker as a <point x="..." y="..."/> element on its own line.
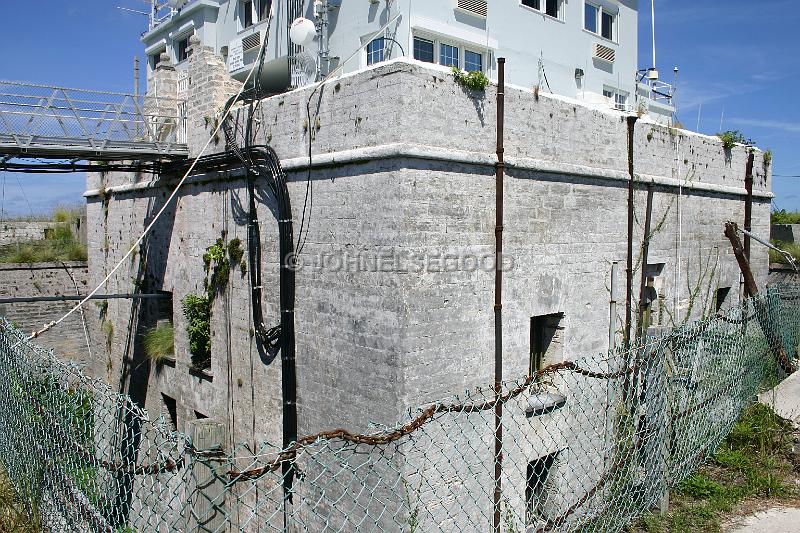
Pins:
<point x="474" y="80"/>
<point x="731" y="138"/>
<point x="783" y="216"/>
<point x="159" y="343"/>
<point x="197" y="310"/>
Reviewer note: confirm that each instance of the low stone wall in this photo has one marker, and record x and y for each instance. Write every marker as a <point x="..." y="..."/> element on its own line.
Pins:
<point x="785" y="232"/>
<point x="68" y="339"/>
<point x="11" y="232"/>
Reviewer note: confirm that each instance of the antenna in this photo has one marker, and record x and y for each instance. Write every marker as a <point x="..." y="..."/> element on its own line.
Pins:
<point x="155" y="15"/>
<point x="653" y="20"/>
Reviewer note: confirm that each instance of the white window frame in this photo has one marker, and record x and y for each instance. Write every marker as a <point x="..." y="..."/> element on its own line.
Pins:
<point x="615" y="95"/>
<point x="599" y="33"/>
<point x="366" y="51"/>
<point x="462" y="46"/>
<point x="543" y="9"/>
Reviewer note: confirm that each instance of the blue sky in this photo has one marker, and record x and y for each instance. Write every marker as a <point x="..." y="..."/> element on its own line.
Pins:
<point x="736" y="57"/>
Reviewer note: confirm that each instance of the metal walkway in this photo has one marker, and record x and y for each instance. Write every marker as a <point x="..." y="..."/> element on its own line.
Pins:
<point x="59" y="123"/>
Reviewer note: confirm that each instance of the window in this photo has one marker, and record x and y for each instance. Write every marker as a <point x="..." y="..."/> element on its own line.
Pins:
<point x="171" y="411"/>
<point x="246" y="13"/>
<point x="551" y="8"/>
<point x="590" y="17"/>
<point x="182" y="49"/>
<point x="535" y="487"/>
<point x="546" y="341"/>
<point x="620" y="99"/>
<point x="600" y="21"/>
<point x="448" y="55"/>
<point x="473" y="61"/>
<point x="423" y="50"/>
<point x="608" y="26"/>
<point x="375" y="50"/>
<point x="264" y="7"/>
<point x="721" y="296"/>
<point x="155" y="59"/>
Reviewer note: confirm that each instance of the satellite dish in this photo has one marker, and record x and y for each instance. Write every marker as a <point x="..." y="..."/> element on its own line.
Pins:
<point x="176" y="4"/>
<point x="302" y="32"/>
<point x="304" y="70"/>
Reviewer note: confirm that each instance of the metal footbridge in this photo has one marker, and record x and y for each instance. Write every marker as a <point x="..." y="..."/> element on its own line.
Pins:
<point x="42" y="121"/>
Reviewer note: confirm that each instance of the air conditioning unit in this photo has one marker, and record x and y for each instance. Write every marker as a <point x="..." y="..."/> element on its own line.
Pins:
<point x="479" y="8"/>
<point x="603" y="53"/>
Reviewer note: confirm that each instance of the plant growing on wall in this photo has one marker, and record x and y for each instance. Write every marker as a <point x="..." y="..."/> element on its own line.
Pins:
<point x="474" y="80"/>
<point x="159" y="343"/>
<point x="731" y="138"/>
<point x="197" y="310"/>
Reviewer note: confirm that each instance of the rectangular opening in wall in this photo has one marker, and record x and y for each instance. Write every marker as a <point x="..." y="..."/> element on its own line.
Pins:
<point x="721" y="297"/>
<point x="538" y="472"/>
<point x="170" y="411"/>
<point x="547" y="343"/>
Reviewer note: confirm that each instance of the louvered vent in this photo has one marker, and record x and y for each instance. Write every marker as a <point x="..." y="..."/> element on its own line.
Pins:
<point x="476" y="7"/>
<point x="604" y="53"/>
<point x="251" y="41"/>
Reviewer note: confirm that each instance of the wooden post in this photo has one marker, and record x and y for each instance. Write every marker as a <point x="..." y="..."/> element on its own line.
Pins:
<point x="207" y="496"/>
<point x="750" y="289"/>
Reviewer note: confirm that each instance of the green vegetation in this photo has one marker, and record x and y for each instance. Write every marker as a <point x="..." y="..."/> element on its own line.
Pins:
<point x="731" y="138"/>
<point x="474" y="80"/>
<point x="59" y="243"/>
<point x="217" y="262"/>
<point x="792" y="248"/>
<point x="782" y="216"/>
<point x="754" y="462"/>
<point x="159" y="343"/>
<point x="767" y="159"/>
<point x="13" y="518"/>
<point x="197" y="310"/>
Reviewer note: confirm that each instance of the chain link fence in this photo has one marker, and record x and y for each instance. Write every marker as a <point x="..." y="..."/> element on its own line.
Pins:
<point x="588" y="444"/>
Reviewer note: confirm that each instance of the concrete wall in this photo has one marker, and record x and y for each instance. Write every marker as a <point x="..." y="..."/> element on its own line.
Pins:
<point x="67" y="340"/>
<point x="390" y="312"/>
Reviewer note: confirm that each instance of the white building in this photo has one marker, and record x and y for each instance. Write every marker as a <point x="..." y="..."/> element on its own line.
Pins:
<point x="582" y="49"/>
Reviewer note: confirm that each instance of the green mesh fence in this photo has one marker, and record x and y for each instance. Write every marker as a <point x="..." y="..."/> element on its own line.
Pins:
<point x="588" y="445"/>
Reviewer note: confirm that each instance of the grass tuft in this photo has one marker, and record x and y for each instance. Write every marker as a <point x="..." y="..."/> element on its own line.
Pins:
<point x="754" y="462"/>
<point x="159" y="343"/>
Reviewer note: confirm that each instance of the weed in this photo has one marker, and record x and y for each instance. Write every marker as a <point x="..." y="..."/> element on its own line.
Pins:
<point x="197" y="310"/>
<point x="767" y="159"/>
<point x="474" y="80"/>
<point x="731" y="138"/>
<point x="108" y="331"/>
<point x="159" y="343"/>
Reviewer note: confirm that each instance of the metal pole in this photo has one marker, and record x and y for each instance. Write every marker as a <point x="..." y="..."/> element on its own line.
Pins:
<point x="612" y="308"/>
<point x="136" y="76"/>
<point x="498" y="300"/>
<point x="748" y="204"/>
<point x="640" y="326"/>
<point x="629" y="267"/>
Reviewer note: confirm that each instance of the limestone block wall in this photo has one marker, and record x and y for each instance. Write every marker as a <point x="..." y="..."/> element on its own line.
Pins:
<point x="68" y="339"/>
<point x="11" y="232"/>
<point x="391" y="311"/>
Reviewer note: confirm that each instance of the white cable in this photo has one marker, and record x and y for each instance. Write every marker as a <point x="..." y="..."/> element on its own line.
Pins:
<point x="149" y="227"/>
